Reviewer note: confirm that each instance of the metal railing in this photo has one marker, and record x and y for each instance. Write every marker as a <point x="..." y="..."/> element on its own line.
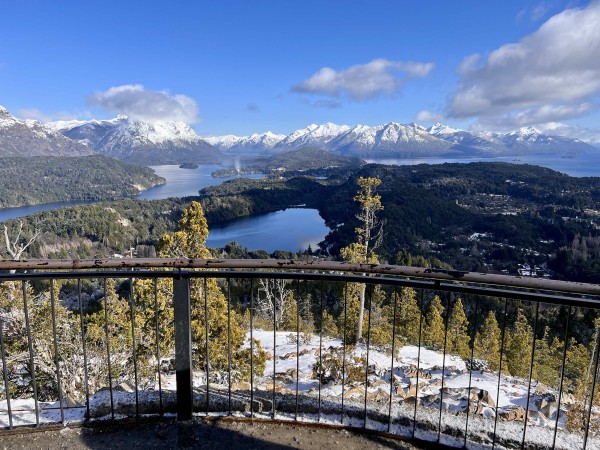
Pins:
<point x="83" y="339"/>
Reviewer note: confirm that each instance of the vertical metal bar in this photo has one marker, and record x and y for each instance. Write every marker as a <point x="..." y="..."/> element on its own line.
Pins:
<point x="83" y="346"/>
<point x="444" y="364"/>
<point x="31" y="359"/>
<point x="206" y="349"/>
<point x="589" y="413"/>
<point x="393" y="356"/>
<point x="108" y="357"/>
<point x="344" y="349"/>
<point x="56" y="358"/>
<point x="418" y="362"/>
<point x="368" y="343"/>
<point x="320" y="352"/>
<point x="183" y="345"/>
<point x="251" y="348"/>
<point x="133" y="345"/>
<point x="5" y="375"/>
<point x="157" y="337"/>
<point x="537" y="313"/>
<point x="475" y="319"/>
<point x="299" y="296"/>
<point x="562" y="375"/>
<point x="500" y="370"/>
<point x="274" y="353"/>
<point x="229" y="345"/>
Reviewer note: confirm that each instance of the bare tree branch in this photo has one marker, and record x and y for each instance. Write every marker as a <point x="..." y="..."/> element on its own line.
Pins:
<point x="14" y="248"/>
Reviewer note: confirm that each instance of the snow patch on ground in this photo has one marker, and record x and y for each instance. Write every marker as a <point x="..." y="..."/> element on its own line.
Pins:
<point x="323" y="402"/>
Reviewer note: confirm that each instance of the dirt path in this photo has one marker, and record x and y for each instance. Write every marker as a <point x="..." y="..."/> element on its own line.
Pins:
<point x="200" y="434"/>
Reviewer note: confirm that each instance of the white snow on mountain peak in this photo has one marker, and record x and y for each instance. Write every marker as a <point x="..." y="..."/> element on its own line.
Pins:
<point x="160" y="132"/>
<point x="526" y="131"/>
<point x="438" y="129"/>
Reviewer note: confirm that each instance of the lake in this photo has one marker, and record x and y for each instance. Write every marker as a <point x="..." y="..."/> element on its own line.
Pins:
<point x="579" y="166"/>
<point x="293" y="230"/>
<point x="186" y="182"/>
<point x="180" y="183"/>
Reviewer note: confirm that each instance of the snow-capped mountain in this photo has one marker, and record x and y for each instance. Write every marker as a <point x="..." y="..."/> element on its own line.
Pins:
<point x="487" y="143"/>
<point x="255" y="143"/>
<point x="142" y="142"/>
<point x="527" y="140"/>
<point x="390" y="139"/>
<point x="32" y="138"/>
<point x="313" y="136"/>
<point x="530" y="138"/>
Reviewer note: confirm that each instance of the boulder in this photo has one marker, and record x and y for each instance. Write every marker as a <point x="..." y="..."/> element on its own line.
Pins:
<point x="512" y="413"/>
<point x="240" y="386"/>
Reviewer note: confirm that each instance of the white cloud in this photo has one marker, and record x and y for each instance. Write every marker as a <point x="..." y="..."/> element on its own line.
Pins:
<point x="538" y="116"/>
<point x="135" y="101"/>
<point x="364" y="81"/>
<point x="428" y="116"/>
<point x="549" y="75"/>
<point x="469" y="64"/>
<point x="589" y="135"/>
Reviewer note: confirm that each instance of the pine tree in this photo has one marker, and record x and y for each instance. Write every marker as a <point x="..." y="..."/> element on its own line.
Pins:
<point x="488" y="342"/>
<point x="382" y="322"/>
<point x="190" y="242"/>
<point x="328" y="325"/>
<point x="433" y="334"/>
<point x="457" y="341"/>
<point x="408" y="317"/>
<point x="548" y="359"/>
<point x="288" y="321"/>
<point x="518" y="349"/>
<point x="367" y="235"/>
<point x="576" y="363"/>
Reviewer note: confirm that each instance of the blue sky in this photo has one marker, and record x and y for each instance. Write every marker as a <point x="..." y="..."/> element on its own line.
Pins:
<point x="250" y="66"/>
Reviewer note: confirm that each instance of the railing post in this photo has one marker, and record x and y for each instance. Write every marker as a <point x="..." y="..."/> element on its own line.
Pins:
<point x="183" y="345"/>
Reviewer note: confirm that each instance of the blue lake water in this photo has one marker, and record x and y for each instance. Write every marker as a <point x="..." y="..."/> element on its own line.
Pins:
<point x="293" y="229"/>
<point x="579" y="166"/>
<point x="180" y="183"/>
<point x="185" y="182"/>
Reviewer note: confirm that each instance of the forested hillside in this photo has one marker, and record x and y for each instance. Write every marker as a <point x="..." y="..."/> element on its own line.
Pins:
<point x="45" y="179"/>
<point x="489" y="217"/>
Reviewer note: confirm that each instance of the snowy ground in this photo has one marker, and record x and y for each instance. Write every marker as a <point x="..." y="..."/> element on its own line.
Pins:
<point x="292" y="366"/>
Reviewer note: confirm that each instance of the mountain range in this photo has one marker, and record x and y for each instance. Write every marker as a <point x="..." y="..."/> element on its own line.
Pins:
<point x="399" y="140"/>
<point x="33" y="138"/>
<point x="141" y="142"/>
<point x="175" y="142"/>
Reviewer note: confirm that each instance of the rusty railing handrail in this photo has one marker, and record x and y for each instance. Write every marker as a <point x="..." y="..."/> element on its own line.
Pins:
<point x="319" y="265"/>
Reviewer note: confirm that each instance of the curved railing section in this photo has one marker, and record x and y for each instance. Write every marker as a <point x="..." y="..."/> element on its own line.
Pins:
<point x="457" y="358"/>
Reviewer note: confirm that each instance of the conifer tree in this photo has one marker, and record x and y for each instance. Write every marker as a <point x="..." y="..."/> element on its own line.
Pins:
<point x="457" y="341"/>
<point x="190" y="242"/>
<point x="408" y="317"/>
<point x="576" y="363"/>
<point x="368" y="235"/>
<point x="488" y="342"/>
<point x="354" y="296"/>
<point x="288" y="321"/>
<point x="328" y="325"/>
<point x="433" y="334"/>
<point x="518" y="349"/>
<point x="548" y="359"/>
